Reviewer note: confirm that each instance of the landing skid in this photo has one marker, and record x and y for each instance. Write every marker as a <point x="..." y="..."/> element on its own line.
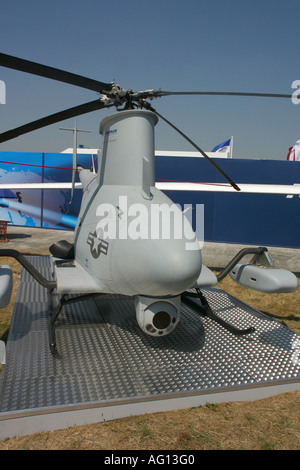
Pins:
<point x="196" y="299"/>
<point x="199" y="302"/>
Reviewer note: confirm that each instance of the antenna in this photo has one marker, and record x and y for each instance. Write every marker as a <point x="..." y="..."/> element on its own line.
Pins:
<point x="74" y="130"/>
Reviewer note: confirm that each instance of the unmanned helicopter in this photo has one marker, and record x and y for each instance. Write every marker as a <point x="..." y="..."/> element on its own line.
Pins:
<point x="130" y="238"/>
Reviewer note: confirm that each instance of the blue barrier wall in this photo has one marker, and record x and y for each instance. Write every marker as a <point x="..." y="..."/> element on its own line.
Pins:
<point x="272" y="220"/>
<point x="40" y="208"/>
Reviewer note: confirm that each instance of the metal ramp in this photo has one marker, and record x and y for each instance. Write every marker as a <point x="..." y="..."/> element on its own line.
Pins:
<point x="107" y="368"/>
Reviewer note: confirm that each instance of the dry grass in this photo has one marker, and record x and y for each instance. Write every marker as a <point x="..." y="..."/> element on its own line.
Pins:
<point x="268" y="424"/>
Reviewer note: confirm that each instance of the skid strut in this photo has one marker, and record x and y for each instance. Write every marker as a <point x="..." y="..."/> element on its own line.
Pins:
<point x="56" y="309"/>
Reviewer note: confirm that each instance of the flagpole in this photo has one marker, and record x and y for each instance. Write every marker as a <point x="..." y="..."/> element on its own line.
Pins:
<point x="231" y="146"/>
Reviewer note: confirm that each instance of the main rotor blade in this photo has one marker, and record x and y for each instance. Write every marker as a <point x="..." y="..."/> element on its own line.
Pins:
<point x="49" y="72"/>
<point x="52" y="119"/>
<point x="233" y="184"/>
<point x="225" y="93"/>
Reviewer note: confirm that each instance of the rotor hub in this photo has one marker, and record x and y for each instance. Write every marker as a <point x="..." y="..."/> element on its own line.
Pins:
<point x="129" y="99"/>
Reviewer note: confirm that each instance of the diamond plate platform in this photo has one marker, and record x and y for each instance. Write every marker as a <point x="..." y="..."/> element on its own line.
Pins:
<point x="108" y="368"/>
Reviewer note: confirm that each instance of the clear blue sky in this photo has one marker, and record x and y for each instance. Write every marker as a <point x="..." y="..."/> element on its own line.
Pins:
<point x="190" y="45"/>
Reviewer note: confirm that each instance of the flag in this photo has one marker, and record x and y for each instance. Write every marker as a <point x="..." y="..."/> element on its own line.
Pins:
<point x="223" y="147"/>
<point x="294" y="152"/>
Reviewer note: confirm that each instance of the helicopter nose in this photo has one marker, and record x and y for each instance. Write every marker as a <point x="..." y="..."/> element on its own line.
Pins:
<point x="174" y="270"/>
<point x="158" y="269"/>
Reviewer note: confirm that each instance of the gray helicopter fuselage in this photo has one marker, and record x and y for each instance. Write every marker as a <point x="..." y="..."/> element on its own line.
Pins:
<point x="130" y="236"/>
